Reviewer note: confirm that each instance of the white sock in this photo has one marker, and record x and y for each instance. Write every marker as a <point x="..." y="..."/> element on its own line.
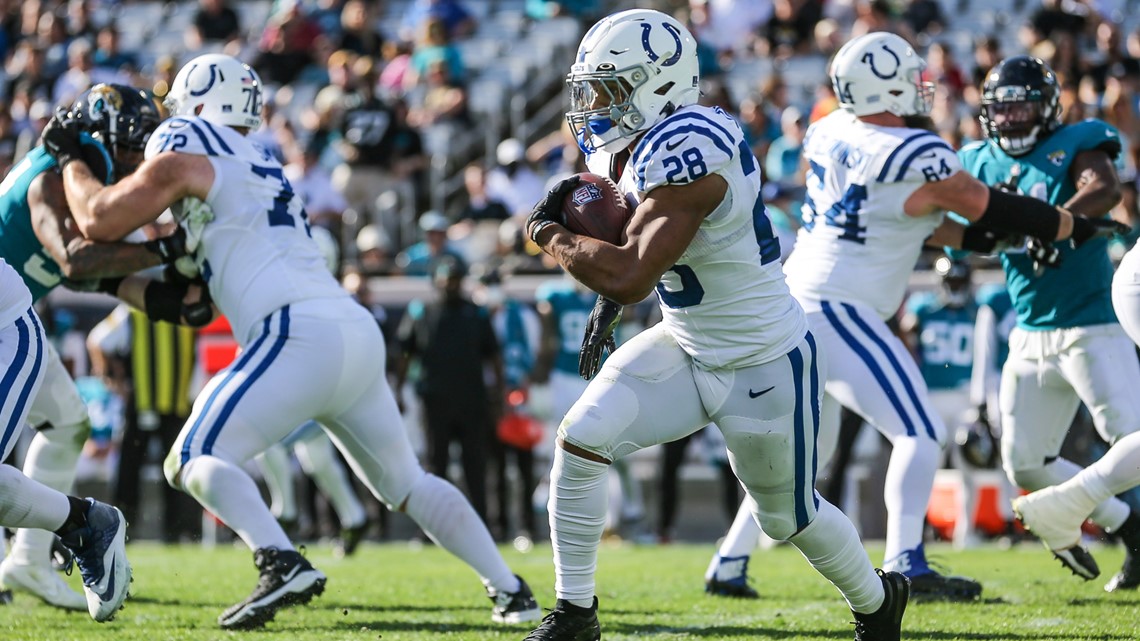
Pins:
<point x="1109" y="514"/>
<point x="632" y="502"/>
<point x="831" y="544"/>
<point x="319" y="461"/>
<point x="910" y="480"/>
<point x="448" y="518"/>
<point x="577" y="514"/>
<point x="51" y="460"/>
<point x="1117" y="471"/>
<point x="29" y="504"/>
<point x="230" y="494"/>
<point x="740" y="541"/>
<point x="274" y="463"/>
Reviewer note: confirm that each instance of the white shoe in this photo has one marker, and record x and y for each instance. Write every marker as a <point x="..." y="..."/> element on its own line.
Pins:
<point x="1044" y="513"/>
<point x="42" y="582"/>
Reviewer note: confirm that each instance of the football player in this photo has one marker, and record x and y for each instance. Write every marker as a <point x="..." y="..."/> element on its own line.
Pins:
<point x="878" y="185"/>
<point x="733" y="346"/>
<point x="95" y="532"/>
<point x="1067" y="347"/>
<point x="39" y="242"/>
<point x="308" y="349"/>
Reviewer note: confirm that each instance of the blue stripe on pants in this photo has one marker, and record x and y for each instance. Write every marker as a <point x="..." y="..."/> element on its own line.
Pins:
<point x="242" y="362"/>
<point x="231" y="403"/>
<point x="869" y="361"/>
<point x="797" y="361"/>
<point x="23" y="346"/>
<point x="813" y="389"/>
<point x="899" y="371"/>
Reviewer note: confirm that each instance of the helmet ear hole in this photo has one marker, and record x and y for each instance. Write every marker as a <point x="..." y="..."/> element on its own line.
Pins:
<point x="198" y="109"/>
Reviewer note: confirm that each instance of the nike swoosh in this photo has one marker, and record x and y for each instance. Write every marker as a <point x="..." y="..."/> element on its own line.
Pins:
<point x="292" y="573"/>
<point x="108" y="593"/>
<point x="673" y="146"/>
<point x="762" y="392"/>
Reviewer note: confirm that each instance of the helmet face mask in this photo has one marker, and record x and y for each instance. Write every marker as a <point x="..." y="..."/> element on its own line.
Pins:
<point x="1020" y="104"/>
<point x="633" y="69"/>
<point x="122" y="119"/>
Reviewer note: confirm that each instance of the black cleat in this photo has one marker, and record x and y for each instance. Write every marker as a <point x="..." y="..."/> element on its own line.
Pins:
<point x="885" y="624"/>
<point x="5" y="597"/>
<point x="568" y="622"/>
<point x="736" y="587"/>
<point x="933" y="586"/>
<point x="515" y="607"/>
<point x="286" y="579"/>
<point x="1128" y="578"/>
<point x="349" y="540"/>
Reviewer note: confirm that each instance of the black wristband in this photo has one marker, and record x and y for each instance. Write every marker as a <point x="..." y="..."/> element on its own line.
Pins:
<point x="109" y="285"/>
<point x="160" y="249"/>
<point x="1022" y="215"/>
<point x="980" y="239"/>
<point x="163" y="301"/>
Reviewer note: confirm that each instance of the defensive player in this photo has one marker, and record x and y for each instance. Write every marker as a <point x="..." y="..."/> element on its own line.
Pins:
<point x="1068" y="347"/>
<point x="877" y="189"/>
<point x="733" y="346"/>
<point x="39" y="243"/>
<point x="308" y="349"/>
<point x="95" y="532"/>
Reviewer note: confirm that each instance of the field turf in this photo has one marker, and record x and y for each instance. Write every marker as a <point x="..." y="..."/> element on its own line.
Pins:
<point x="397" y="592"/>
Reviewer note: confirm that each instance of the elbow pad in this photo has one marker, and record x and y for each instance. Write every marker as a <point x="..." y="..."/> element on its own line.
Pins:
<point x="1022" y="215"/>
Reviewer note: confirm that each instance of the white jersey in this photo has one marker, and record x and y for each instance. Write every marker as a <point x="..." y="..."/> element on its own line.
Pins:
<point x="15" y="299"/>
<point x="857" y="245"/>
<point x="725" y="301"/>
<point x="252" y="237"/>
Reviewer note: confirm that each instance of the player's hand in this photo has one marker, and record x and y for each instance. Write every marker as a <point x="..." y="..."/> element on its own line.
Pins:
<point x="1045" y="255"/>
<point x="548" y="211"/>
<point x="197" y="306"/>
<point x="1085" y="229"/>
<point x="600" y="326"/>
<point x="61" y="138"/>
<point x="172" y="251"/>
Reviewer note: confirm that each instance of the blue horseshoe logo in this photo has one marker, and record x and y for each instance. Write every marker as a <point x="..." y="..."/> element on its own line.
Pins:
<point x="870" y="60"/>
<point x="671" y="60"/>
<point x="215" y="74"/>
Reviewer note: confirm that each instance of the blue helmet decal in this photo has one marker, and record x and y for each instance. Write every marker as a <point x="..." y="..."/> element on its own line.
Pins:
<point x="870" y="60"/>
<point x="646" y="28"/>
<point x="215" y="75"/>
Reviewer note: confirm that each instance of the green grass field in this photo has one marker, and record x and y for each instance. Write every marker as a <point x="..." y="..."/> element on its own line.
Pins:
<point x="396" y="592"/>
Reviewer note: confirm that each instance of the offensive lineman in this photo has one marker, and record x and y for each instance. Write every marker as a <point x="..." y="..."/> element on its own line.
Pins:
<point x="1067" y="347"/>
<point x="308" y="350"/>
<point x="37" y="241"/>
<point x="729" y="328"/>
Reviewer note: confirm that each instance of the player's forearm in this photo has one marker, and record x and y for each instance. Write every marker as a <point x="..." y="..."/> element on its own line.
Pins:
<point x="606" y="269"/>
<point x="86" y="259"/>
<point x="1096" y="198"/>
<point x="80" y="186"/>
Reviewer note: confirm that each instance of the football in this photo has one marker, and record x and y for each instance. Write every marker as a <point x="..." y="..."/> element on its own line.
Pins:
<point x="596" y="208"/>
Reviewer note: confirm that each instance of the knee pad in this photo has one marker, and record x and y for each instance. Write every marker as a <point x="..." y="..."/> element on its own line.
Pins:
<point x="766" y="466"/>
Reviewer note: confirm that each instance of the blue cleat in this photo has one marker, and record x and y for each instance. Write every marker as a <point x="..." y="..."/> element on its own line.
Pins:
<point x="101" y="554"/>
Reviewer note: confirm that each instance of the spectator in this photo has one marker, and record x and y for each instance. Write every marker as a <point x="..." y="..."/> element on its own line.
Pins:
<point x="324" y="204"/>
<point x="792" y="27"/>
<point x="373" y="251"/>
<point x="107" y="53"/>
<point x="214" y="23"/>
<point x="356" y="32"/>
<point x="418" y="259"/>
<point x="286" y="44"/>
<point x="942" y="69"/>
<point x="759" y="128"/>
<point x="79" y="23"/>
<point x="29" y="137"/>
<point x="82" y="74"/>
<point x="479" y="206"/>
<point x="513" y="182"/>
<point x="783" y="160"/>
<point x="729" y="26"/>
<point x="454" y="343"/>
<point x="876" y="15"/>
<point x="586" y="11"/>
<point x="8" y="140"/>
<point x="457" y="20"/>
<point x="434" y="45"/>
<point x="444" y="100"/>
<point x="52" y="34"/>
<point x="397" y="62"/>
<point x="27" y="77"/>
<point x="924" y="16"/>
<point x="327" y="14"/>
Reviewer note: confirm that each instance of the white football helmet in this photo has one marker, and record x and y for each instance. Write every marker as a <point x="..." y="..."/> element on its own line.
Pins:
<point x="220" y="89"/>
<point x="632" y="70"/>
<point x="880" y="72"/>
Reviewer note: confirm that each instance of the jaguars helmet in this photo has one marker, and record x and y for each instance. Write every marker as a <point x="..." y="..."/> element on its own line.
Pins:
<point x="632" y="69"/>
<point x="1020" y="104"/>
<point x="881" y="72"/>
<point x="120" y="117"/>
<point x="955" y="276"/>
<point x="218" y="88"/>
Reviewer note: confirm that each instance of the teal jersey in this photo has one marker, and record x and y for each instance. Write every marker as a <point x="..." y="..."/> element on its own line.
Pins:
<point x="19" y="245"/>
<point x="995" y="297"/>
<point x="518" y="360"/>
<point x="946" y="340"/>
<point x="571" y="308"/>
<point x="1078" y="293"/>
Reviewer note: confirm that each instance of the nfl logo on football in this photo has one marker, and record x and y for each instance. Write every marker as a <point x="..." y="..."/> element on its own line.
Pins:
<point x="587" y="193"/>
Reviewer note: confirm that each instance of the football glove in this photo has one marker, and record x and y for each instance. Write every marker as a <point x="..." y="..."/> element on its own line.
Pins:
<point x="1085" y="229"/>
<point x="199" y="314"/>
<point x="600" y="326"/>
<point x="61" y="138"/>
<point x="1045" y="255"/>
<point x="548" y="211"/>
<point x="172" y="250"/>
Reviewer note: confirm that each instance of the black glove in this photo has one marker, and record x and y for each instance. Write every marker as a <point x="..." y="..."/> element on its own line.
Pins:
<point x="548" y="211"/>
<point x="91" y="285"/>
<point x="1085" y="229"/>
<point x="173" y="252"/>
<point x="61" y="138"/>
<point x="199" y="314"/>
<point x="1044" y="255"/>
<point x="600" y="326"/>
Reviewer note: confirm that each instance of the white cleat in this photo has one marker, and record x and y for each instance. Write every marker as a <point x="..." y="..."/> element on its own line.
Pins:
<point x="1044" y="513"/>
<point x="42" y="582"/>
